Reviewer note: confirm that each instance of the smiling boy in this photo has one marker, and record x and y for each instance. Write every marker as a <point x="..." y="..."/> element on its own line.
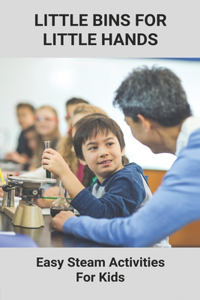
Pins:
<point x="103" y="155"/>
<point x="119" y="190"/>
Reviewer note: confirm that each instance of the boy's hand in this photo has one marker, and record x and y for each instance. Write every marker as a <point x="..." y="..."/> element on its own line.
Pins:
<point x="53" y="161"/>
<point x="59" y="220"/>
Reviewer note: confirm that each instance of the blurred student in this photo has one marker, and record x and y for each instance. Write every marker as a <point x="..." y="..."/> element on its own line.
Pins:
<point x="64" y="147"/>
<point x="30" y="136"/>
<point x="26" y="119"/>
<point x="71" y="105"/>
<point x="46" y="126"/>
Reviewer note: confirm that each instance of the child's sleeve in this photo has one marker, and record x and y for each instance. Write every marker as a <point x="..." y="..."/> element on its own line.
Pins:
<point x="123" y="195"/>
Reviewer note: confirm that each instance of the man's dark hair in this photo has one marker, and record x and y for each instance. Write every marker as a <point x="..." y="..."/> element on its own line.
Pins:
<point x="74" y="100"/>
<point x="25" y="105"/>
<point x="90" y="126"/>
<point x="154" y="93"/>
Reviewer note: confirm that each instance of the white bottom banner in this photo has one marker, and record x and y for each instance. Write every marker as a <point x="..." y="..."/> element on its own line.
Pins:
<point x="96" y="273"/>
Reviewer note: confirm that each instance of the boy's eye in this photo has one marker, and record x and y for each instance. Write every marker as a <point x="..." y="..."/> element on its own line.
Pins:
<point x="110" y="144"/>
<point x="93" y="148"/>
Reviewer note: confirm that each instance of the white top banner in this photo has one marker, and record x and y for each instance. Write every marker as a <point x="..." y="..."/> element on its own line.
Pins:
<point x="99" y="28"/>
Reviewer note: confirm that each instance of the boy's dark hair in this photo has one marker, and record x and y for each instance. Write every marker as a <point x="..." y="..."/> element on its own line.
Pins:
<point x="25" y="105"/>
<point x="154" y="93"/>
<point x="74" y="100"/>
<point x="90" y="126"/>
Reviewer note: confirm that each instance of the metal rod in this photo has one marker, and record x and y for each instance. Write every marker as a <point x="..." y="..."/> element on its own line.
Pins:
<point x="47" y="145"/>
<point x="60" y="188"/>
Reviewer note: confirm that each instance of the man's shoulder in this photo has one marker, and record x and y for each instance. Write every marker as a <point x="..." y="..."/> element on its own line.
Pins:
<point x="192" y="145"/>
<point x="194" y="137"/>
<point x="186" y="168"/>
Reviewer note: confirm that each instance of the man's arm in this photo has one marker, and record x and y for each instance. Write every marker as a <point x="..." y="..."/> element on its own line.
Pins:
<point x="153" y="222"/>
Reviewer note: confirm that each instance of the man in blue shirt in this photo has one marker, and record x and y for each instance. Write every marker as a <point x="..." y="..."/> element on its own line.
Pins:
<point x="156" y="109"/>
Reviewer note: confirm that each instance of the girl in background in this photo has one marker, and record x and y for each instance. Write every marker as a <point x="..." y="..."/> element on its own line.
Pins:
<point x="46" y="126"/>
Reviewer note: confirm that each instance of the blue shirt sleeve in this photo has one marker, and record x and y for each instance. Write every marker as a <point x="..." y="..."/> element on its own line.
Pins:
<point x="124" y="193"/>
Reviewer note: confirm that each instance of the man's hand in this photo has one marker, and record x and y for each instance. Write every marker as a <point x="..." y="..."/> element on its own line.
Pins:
<point x="59" y="220"/>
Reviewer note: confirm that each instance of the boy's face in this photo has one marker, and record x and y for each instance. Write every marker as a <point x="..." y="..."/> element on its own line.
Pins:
<point x="26" y="117"/>
<point x="103" y="155"/>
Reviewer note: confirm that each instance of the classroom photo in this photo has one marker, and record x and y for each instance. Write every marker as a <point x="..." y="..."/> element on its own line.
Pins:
<point x="100" y="152"/>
